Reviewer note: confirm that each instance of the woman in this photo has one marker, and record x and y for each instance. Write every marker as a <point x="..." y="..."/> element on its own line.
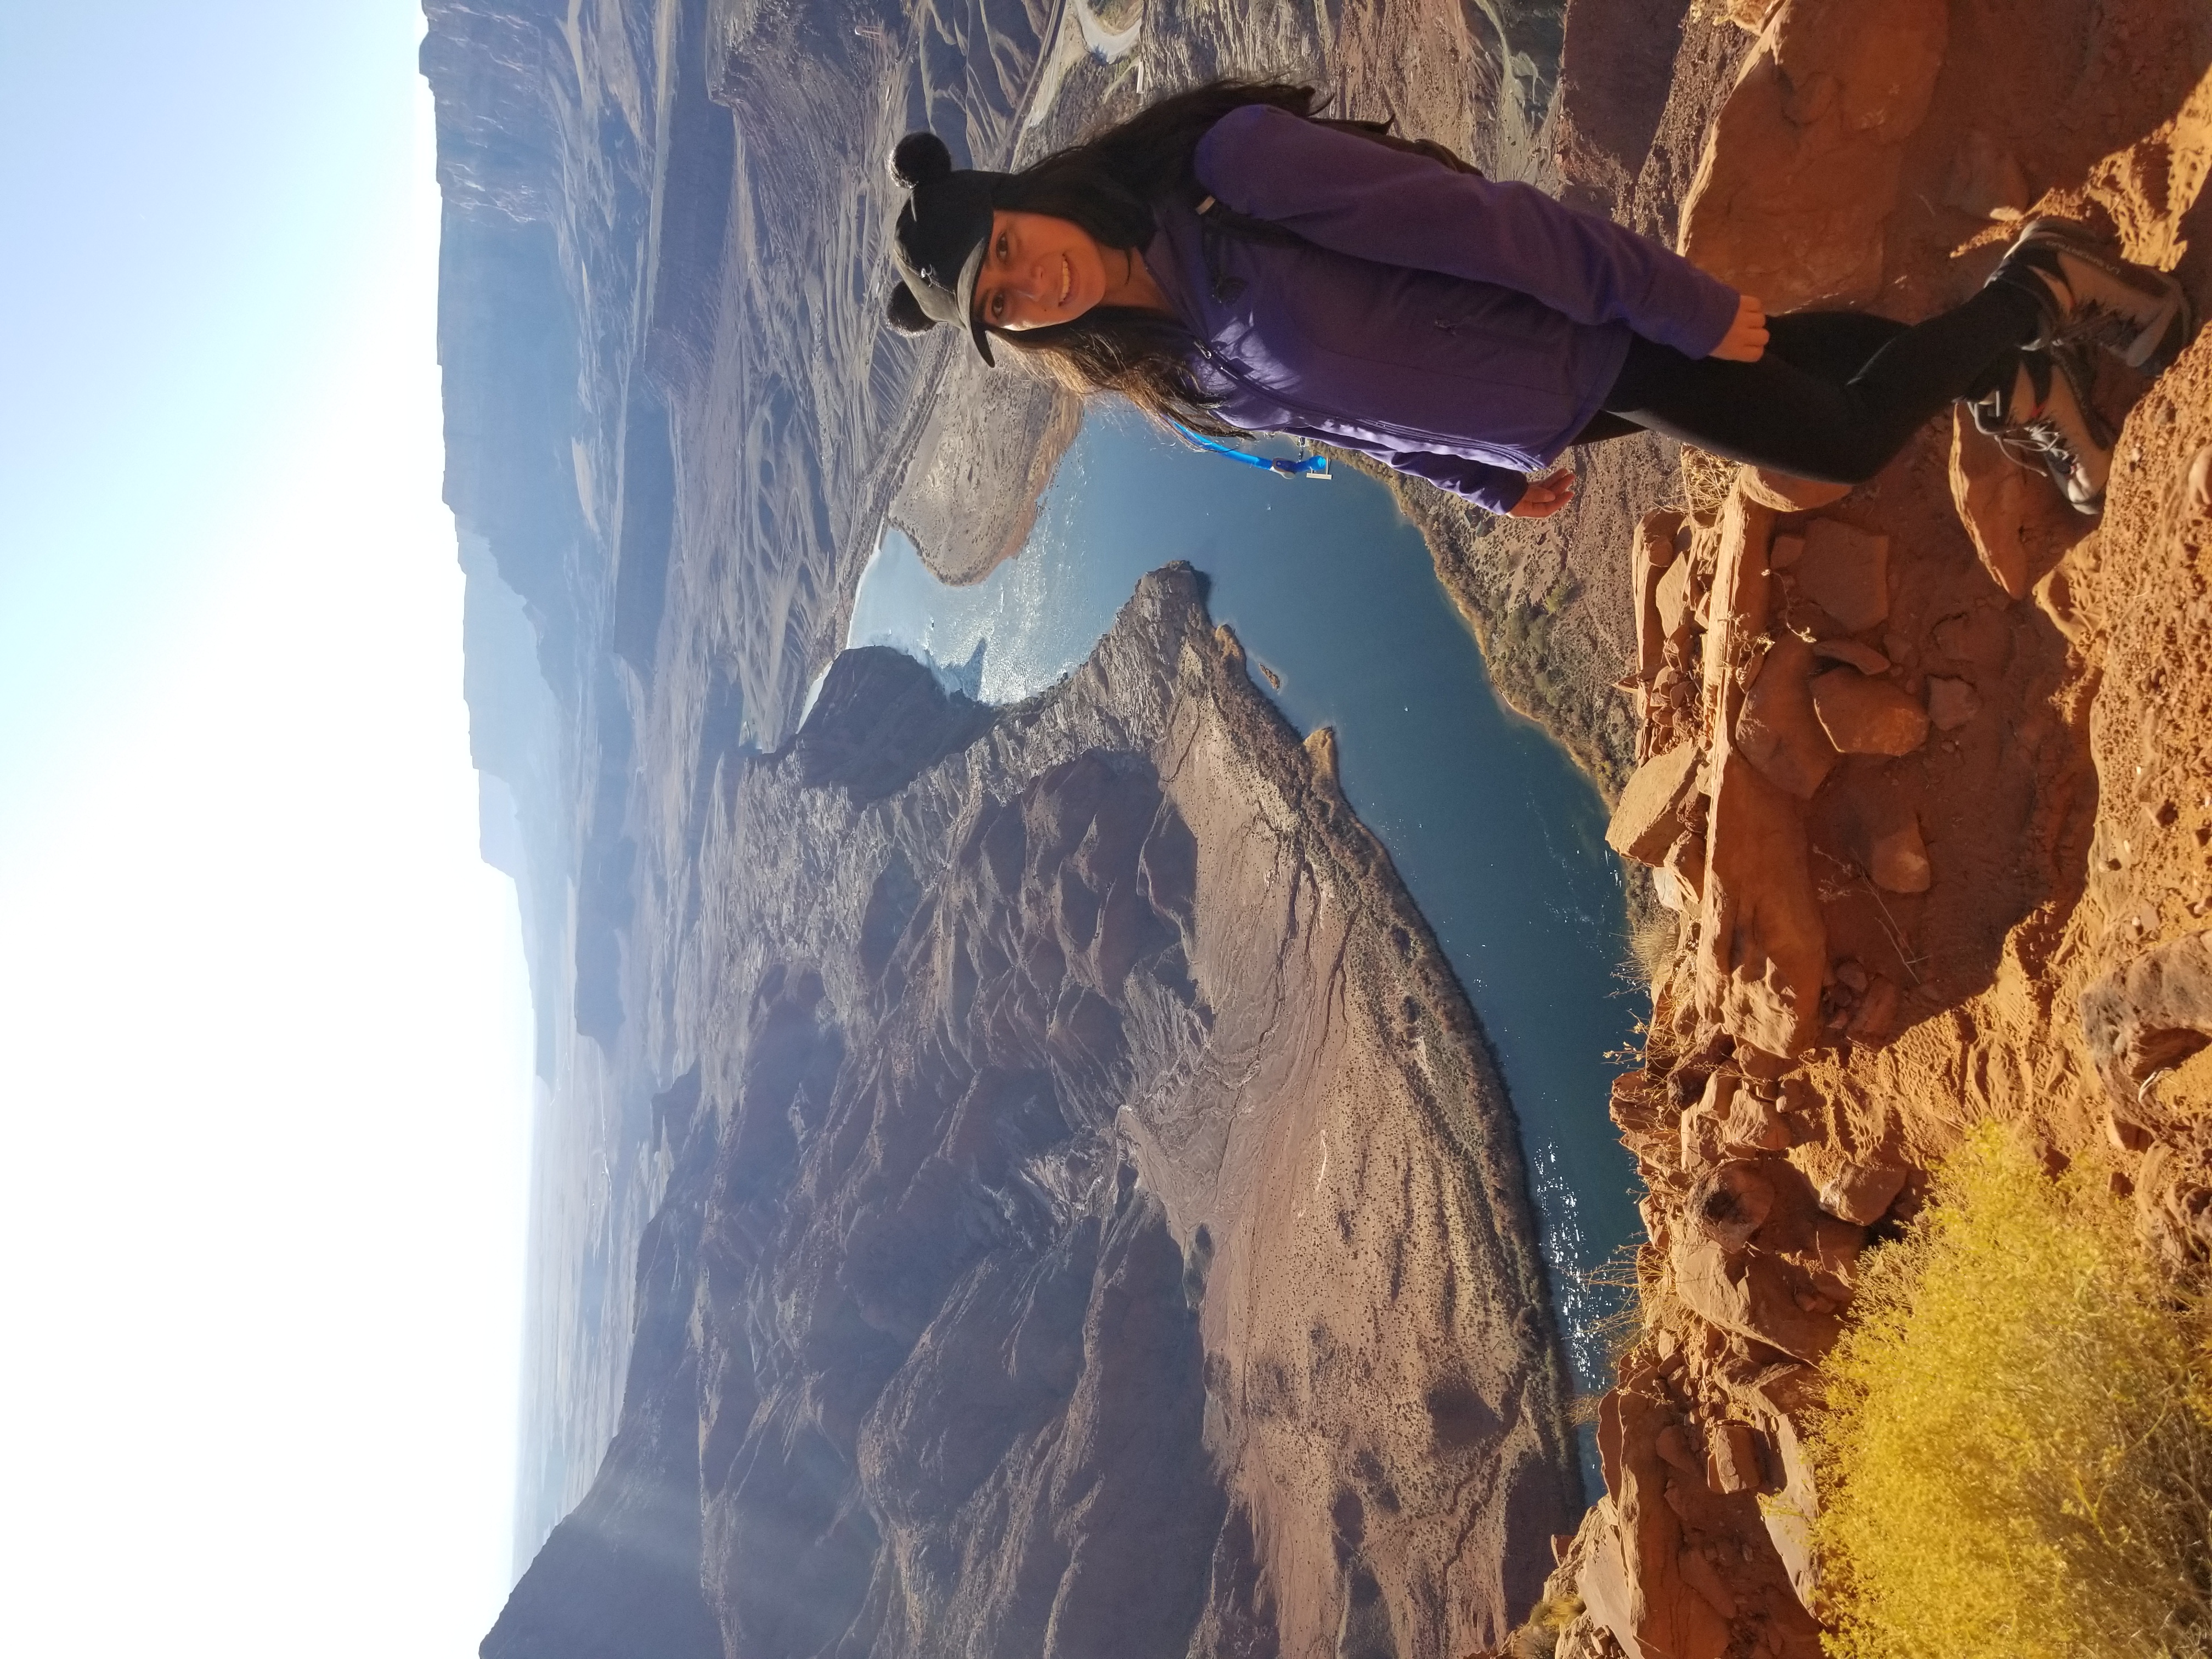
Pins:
<point x="1228" y="261"/>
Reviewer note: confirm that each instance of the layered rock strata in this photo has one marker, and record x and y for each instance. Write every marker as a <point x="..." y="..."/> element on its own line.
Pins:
<point x="1106" y="1229"/>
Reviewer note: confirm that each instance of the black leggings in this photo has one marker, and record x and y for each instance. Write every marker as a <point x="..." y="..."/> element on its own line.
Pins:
<point x="1836" y="396"/>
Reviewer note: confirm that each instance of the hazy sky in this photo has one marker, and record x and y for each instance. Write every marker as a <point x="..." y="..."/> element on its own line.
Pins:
<point x="264" y="1033"/>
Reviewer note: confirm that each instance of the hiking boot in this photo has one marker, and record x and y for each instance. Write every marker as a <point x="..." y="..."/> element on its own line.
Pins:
<point x="2087" y="292"/>
<point x="2044" y="421"/>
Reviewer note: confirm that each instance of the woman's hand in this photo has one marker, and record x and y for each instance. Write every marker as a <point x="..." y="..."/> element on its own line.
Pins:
<point x="1544" y="496"/>
<point x="1745" y="340"/>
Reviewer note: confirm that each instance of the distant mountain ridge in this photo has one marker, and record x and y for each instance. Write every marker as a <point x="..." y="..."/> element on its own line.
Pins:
<point x="1015" y="1286"/>
<point x="675" y="423"/>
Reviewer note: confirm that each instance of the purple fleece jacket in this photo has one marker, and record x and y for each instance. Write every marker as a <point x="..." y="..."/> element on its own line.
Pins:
<point x="1456" y="328"/>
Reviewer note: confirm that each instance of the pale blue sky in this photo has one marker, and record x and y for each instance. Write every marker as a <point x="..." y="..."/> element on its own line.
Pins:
<point x="263" y="1037"/>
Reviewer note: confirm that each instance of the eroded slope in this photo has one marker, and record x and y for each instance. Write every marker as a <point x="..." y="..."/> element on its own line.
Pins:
<point x="1111" y="1235"/>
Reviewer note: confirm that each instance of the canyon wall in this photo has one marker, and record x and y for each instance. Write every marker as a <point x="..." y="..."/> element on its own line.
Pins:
<point x="1095" y="1223"/>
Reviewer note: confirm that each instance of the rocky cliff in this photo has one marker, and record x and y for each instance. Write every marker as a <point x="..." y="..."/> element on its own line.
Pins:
<point x="1919" y="772"/>
<point x="1100" y="1227"/>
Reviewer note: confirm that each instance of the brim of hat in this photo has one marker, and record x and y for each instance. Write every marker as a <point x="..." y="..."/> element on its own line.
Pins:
<point x="965" y="292"/>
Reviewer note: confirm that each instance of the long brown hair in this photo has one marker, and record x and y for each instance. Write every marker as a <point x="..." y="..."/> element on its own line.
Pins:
<point x="1106" y="184"/>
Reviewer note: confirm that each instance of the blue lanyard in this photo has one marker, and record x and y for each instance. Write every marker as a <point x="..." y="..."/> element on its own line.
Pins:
<point x="1311" y="466"/>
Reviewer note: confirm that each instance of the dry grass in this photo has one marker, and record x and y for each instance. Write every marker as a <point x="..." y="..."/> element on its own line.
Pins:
<point x="1706" y="479"/>
<point x="2017" y="1458"/>
<point x="1654" y="936"/>
<point x="1540" y="1638"/>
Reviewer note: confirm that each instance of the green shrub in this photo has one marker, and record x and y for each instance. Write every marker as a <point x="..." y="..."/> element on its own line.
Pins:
<point x="2016" y="1459"/>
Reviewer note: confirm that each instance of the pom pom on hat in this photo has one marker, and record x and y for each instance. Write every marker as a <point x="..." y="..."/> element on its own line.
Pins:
<point x="906" y="312"/>
<point x="920" y="158"/>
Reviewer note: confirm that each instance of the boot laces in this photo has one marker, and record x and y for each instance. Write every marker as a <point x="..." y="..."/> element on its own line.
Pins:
<point x="2036" y="438"/>
<point x="2038" y="442"/>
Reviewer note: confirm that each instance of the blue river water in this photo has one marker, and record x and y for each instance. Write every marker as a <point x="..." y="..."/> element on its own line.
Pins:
<point x="1497" y="835"/>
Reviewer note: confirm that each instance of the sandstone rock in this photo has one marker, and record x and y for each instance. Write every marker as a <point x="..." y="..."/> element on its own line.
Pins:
<point x="1990" y="494"/>
<point x="1631" y="1581"/>
<point x="1685" y="864"/>
<point x="1602" y="1583"/>
<point x="1873" y="1021"/>
<point x="1982" y="637"/>
<point x="1847" y="573"/>
<point x="1776" y="730"/>
<point x="1951" y="703"/>
<point x="1701" y="1575"/>
<point x="1733" y="1463"/>
<point x="1785" y="493"/>
<point x="1670" y="600"/>
<point x="1800" y="168"/>
<point x="2061" y="595"/>
<point x="1753" y="1125"/>
<point x="1673" y="1445"/>
<point x="1752" y="1294"/>
<point x="1760" y="1063"/>
<point x="1864" y="658"/>
<point x="1749" y="670"/>
<point x="2199" y="487"/>
<point x="1774" y="1197"/>
<point x="1700" y="1128"/>
<point x="1789" y="1514"/>
<point x="1654" y="557"/>
<point x="1863" y="1193"/>
<point x="1647" y="818"/>
<point x="2150" y="1014"/>
<point x="1762" y="948"/>
<point x="1738" y="606"/>
<point x="1635" y="1108"/>
<point x="1898" y="858"/>
<point x="1785" y="553"/>
<point x="1863" y="716"/>
<point x="1732" y="1200"/>
<point x="1985" y="182"/>
<point x="1838" y="1244"/>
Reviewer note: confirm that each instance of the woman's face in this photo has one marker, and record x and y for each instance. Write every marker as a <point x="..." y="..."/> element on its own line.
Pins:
<point x="1038" y="271"/>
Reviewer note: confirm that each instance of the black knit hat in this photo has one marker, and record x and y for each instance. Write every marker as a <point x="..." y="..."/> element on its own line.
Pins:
<point x="943" y="233"/>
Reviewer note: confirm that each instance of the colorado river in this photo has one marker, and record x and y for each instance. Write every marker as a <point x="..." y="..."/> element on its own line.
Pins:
<point x="1496" y="834"/>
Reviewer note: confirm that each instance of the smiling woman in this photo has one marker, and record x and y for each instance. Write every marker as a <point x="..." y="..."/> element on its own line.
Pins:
<point x="1232" y="261"/>
<point x="1040" y="271"/>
